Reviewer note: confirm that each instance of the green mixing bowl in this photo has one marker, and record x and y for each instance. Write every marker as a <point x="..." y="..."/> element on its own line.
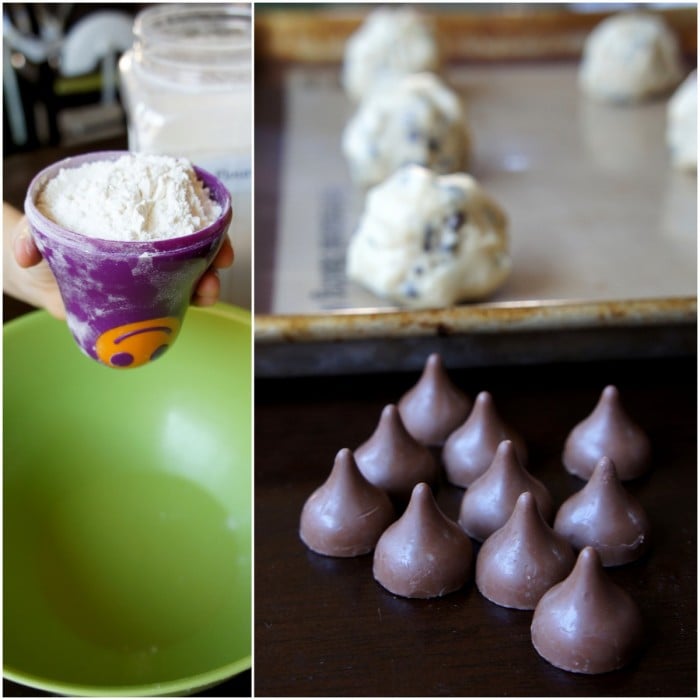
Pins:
<point x="127" y="511"/>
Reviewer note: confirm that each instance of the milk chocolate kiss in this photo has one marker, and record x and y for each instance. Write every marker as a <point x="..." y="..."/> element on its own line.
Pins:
<point x="607" y="432"/>
<point x="587" y="624"/>
<point x="470" y="449"/>
<point x="423" y="554"/>
<point x="394" y="461"/>
<point x="346" y="515"/>
<point x="605" y="516"/>
<point x="434" y="406"/>
<point x="489" y="501"/>
<point x="520" y="562"/>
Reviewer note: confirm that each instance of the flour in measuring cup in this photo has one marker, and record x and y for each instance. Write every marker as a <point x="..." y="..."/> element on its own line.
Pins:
<point x="136" y="197"/>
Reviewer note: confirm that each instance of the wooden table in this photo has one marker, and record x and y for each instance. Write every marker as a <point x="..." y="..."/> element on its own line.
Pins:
<point x="18" y="170"/>
<point x="324" y="627"/>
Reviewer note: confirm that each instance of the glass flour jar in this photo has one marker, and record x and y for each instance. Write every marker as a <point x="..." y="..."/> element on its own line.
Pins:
<point x="187" y="90"/>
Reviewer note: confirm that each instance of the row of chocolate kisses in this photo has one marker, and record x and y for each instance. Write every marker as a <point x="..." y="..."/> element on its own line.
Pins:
<point x="524" y="563"/>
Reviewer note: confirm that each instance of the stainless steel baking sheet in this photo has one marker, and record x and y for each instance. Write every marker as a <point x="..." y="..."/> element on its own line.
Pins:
<point x="603" y="229"/>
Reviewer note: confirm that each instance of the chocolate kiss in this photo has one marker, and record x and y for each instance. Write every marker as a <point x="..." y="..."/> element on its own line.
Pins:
<point x="434" y="407"/>
<point x="346" y="515"/>
<point x="607" y="432"/>
<point x="520" y="562"/>
<point x="394" y="461"/>
<point x="489" y="501"/>
<point x="587" y="624"/>
<point x="605" y="516"/>
<point x="470" y="449"/>
<point x="423" y="554"/>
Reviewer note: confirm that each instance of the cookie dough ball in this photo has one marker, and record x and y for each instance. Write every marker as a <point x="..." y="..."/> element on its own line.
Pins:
<point x="682" y="124"/>
<point x="630" y="57"/>
<point x="418" y="119"/>
<point x="391" y="42"/>
<point x="426" y="240"/>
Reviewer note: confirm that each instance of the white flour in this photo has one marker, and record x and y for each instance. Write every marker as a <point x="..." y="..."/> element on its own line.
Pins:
<point x="134" y="198"/>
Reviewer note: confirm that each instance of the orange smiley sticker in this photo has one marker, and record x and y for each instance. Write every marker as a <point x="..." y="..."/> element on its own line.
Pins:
<point x="135" y="344"/>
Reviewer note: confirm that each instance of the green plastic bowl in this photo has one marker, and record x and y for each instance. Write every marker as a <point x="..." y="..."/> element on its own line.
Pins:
<point x="127" y="511"/>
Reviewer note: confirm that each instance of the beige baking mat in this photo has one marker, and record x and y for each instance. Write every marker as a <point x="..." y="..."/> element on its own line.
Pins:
<point x="596" y="211"/>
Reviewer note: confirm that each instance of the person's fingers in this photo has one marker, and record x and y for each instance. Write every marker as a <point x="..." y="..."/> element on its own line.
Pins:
<point x="55" y="306"/>
<point x="25" y="250"/>
<point x="209" y="287"/>
<point x="207" y="291"/>
<point x="224" y="258"/>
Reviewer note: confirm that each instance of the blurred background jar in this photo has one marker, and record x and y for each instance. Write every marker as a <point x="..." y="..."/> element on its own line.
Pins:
<point x="187" y="90"/>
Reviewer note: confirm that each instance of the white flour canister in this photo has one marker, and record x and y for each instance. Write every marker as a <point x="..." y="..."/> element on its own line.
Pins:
<point x="187" y="90"/>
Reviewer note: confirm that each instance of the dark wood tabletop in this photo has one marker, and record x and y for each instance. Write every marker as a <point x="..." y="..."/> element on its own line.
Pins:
<point x="324" y="627"/>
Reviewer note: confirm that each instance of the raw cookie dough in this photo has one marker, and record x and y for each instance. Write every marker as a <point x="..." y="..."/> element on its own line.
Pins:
<point x="418" y="119"/>
<point x="682" y="124"/>
<point x="391" y="42"/>
<point x="630" y="57"/>
<point x="426" y="240"/>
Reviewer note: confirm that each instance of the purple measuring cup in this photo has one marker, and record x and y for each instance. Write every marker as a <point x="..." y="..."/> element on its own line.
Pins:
<point x="125" y="300"/>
